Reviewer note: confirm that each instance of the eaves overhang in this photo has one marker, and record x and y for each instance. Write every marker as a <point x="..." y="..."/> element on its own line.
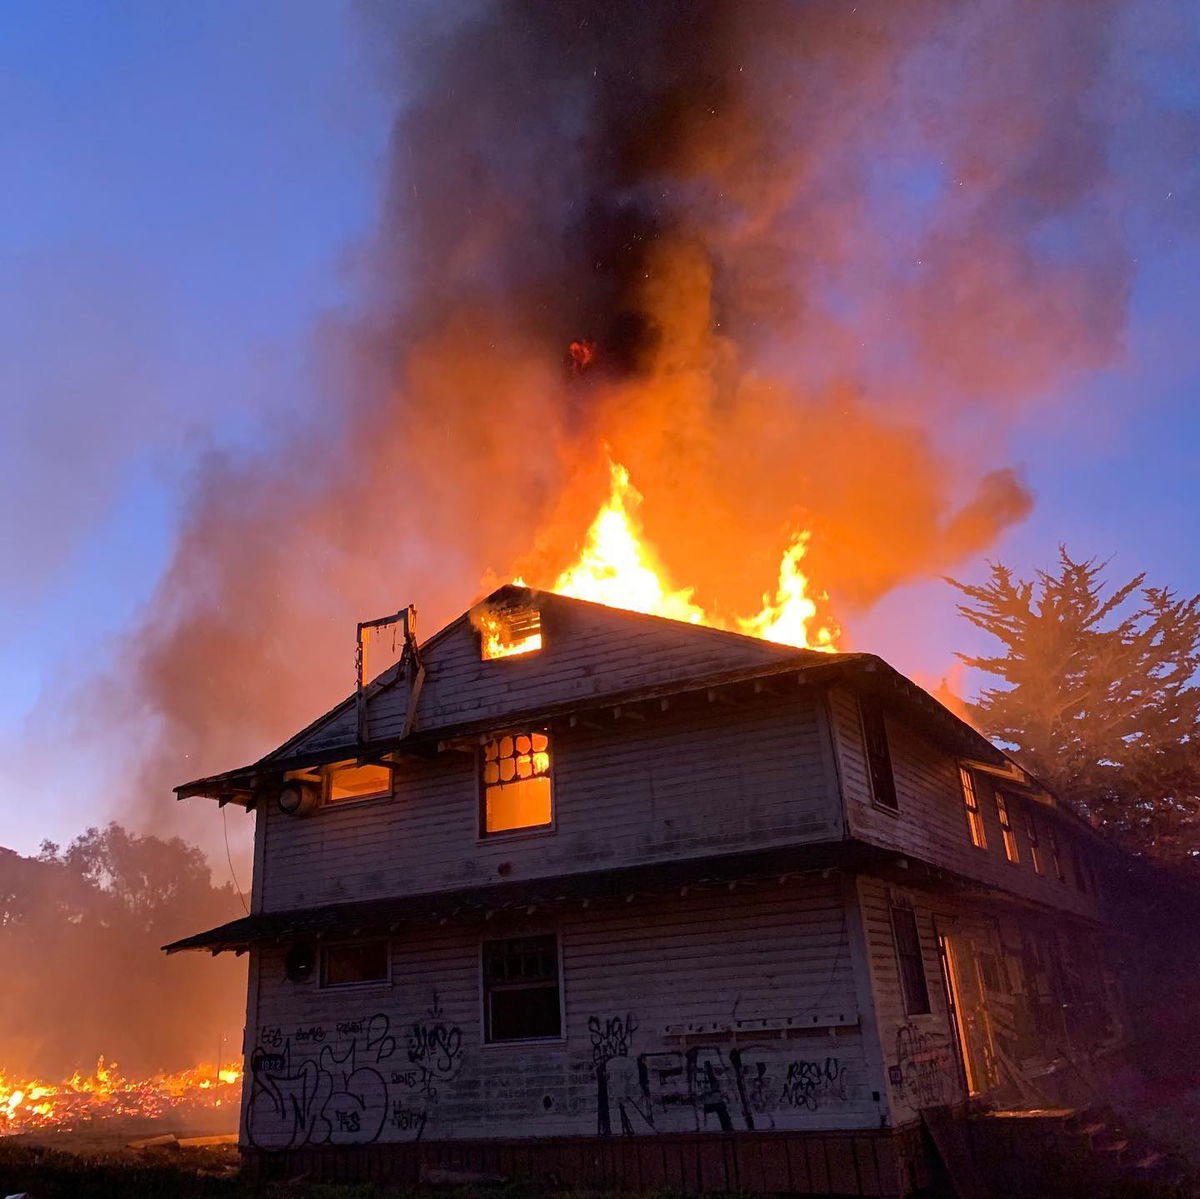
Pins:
<point x="866" y="671"/>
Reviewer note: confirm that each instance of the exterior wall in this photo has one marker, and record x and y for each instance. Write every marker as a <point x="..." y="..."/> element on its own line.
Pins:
<point x="931" y="822"/>
<point x="693" y="780"/>
<point x="718" y="1010"/>
<point x="588" y="650"/>
<point x="1046" y="1000"/>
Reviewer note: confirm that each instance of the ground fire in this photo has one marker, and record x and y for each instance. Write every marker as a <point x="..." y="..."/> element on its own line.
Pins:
<point x="28" y="1104"/>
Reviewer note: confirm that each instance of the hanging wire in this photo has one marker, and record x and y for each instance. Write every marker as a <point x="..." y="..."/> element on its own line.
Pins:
<point x="229" y="859"/>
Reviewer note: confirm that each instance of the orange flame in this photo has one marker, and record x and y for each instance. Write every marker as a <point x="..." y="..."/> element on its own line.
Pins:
<point x="32" y="1103"/>
<point x="617" y="567"/>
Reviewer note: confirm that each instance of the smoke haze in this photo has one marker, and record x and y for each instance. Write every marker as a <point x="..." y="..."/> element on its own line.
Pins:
<point x="821" y="255"/>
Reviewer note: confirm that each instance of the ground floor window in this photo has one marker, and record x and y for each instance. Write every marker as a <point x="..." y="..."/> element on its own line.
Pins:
<point x="910" y="961"/>
<point x="522" y="993"/>
<point x="354" y="962"/>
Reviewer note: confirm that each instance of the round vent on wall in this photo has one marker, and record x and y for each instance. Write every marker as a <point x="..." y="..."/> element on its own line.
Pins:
<point x="300" y="962"/>
<point x="298" y="798"/>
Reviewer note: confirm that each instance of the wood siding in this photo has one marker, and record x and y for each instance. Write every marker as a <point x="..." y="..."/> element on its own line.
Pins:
<point x="717" y="1010"/>
<point x="684" y="782"/>
<point x="588" y="651"/>
<point x="930" y="821"/>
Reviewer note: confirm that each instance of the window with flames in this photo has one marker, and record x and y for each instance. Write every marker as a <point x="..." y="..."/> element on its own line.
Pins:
<point x="517" y="788"/>
<point x="508" y="632"/>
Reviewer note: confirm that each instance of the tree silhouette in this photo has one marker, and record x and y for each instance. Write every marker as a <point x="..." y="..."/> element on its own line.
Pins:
<point x="1098" y="696"/>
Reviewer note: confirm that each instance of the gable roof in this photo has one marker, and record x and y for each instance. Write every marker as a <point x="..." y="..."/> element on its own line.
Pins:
<point x="593" y="656"/>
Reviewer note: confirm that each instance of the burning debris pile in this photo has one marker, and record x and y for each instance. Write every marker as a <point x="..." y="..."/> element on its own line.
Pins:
<point x="27" y="1104"/>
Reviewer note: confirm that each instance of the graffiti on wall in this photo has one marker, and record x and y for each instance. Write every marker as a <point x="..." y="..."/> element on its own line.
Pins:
<point x="705" y="1087"/>
<point x="921" y="1069"/>
<point x="360" y="1080"/>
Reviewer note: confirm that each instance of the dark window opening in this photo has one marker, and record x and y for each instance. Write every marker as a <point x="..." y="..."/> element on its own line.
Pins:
<point x="354" y="962"/>
<point x="879" y="754"/>
<point x="910" y="961"/>
<point x="1055" y="856"/>
<point x="521" y="992"/>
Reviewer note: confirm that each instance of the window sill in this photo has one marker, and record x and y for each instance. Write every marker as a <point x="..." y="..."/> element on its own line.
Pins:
<point x="517" y="834"/>
<point x="382" y="984"/>
<point x="337" y="805"/>
<point x="525" y="1043"/>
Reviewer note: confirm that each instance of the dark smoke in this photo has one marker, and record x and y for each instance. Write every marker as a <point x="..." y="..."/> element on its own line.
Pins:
<point x="824" y="253"/>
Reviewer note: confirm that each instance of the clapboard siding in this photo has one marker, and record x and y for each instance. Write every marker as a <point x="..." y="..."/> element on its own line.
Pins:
<point x="664" y="1001"/>
<point x="918" y="1049"/>
<point x="931" y="822"/>
<point x="679" y="783"/>
<point x="588" y="650"/>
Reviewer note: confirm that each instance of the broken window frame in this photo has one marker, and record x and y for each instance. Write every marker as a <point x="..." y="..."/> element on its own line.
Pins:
<point x="517" y="626"/>
<point x="485" y="787"/>
<point x="971" y="809"/>
<point x="1012" y="851"/>
<point x="327" y="776"/>
<point x="877" y="752"/>
<point x="522" y="947"/>
<point x="1035" y="844"/>
<point x="1056" y="855"/>
<point x="381" y="980"/>
<point x="910" y="961"/>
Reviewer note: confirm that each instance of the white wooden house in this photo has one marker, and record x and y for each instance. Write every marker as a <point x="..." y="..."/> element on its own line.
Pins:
<point x="652" y="904"/>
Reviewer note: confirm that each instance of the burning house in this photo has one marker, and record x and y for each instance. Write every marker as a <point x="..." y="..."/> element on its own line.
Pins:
<point x="583" y="892"/>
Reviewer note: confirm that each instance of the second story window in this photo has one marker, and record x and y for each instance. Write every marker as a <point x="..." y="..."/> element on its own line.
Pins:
<point x="879" y="754"/>
<point x="1035" y="844"/>
<point x="516" y="782"/>
<point x="1006" y="830"/>
<point x="910" y="961"/>
<point x="349" y="781"/>
<point x="1055" y="856"/>
<point x="971" y="806"/>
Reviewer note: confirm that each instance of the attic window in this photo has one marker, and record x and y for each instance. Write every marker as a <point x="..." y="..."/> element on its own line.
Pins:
<point x="505" y="632"/>
<point x="347" y="781"/>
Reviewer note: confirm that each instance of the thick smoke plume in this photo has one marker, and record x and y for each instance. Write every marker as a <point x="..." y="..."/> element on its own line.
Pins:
<point x="815" y="255"/>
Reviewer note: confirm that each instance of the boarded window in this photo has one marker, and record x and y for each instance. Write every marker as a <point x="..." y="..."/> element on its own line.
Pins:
<point x="1006" y="829"/>
<point x="971" y="806"/>
<point x="910" y="961"/>
<point x="354" y="962"/>
<point x="521" y="993"/>
<point x="348" y="781"/>
<point x="516" y="782"/>
<point x="879" y="754"/>
<point x="1035" y="844"/>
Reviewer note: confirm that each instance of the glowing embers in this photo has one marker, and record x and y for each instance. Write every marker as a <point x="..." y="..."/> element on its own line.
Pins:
<point x="507" y="631"/>
<point x="516" y="782"/>
<point x="106" y="1094"/>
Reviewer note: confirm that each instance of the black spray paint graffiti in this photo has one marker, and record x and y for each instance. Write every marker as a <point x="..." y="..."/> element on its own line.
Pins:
<point x="809" y="1084"/>
<point x="705" y="1087"/>
<point x="921" y="1069"/>
<point x="435" y="1050"/>
<point x="348" y="1094"/>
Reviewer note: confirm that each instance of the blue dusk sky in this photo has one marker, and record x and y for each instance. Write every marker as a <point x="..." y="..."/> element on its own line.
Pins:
<point x="188" y="189"/>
